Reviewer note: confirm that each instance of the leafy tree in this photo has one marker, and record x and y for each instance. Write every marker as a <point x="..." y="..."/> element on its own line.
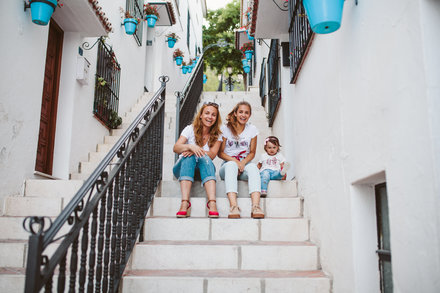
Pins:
<point x="221" y="25"/>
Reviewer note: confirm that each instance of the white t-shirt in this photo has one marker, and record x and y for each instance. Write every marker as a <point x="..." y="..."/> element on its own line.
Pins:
<point x="271" y="162"/>
<point x="242" y="146"/>
<point x="188" y="132"/>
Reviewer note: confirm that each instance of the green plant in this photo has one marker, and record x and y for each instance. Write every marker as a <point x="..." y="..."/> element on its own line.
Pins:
<point x="183" y="63"/>
<point x="127" y="14"/>
<point x="177" y="53"/>
<point x="172" y="35"/>
<point x="102" y="81"/>
<point x="115" y="120"/>
<point x="151" y="10"/>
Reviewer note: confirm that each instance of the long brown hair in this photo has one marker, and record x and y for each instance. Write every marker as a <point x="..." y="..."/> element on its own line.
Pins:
<point x="214" y="132"/>
<point x="232" y="119"/>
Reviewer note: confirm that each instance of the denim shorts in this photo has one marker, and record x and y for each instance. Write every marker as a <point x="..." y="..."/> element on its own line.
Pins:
<point x="185" y="168"/>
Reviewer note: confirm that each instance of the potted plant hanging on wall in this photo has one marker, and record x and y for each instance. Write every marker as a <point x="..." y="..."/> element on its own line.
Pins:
<point x="151" y="14"/>
<point x="172" y="39"/>
<point x="190" y="65"/>
<point x="324" y="15"/>
<point x="248" y="50"/>
<point x="178" y="56"/>
<point x="130" y="23"/>
<point x="184" y="67"/>
<point x="42" y="10"/>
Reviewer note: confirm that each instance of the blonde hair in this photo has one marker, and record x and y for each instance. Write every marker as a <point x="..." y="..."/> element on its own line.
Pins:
<point x="214" y="132"/>
<point x="232" y="119"/>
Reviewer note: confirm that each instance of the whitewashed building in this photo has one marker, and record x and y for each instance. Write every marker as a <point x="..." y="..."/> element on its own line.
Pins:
<point x="68" y="78"/>
<point x="357" y="112"/>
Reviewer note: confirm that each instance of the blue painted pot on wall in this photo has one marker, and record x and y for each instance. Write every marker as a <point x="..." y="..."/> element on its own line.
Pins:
<point x="179" y="60"/>
<point x="171" y="42"/>
<point x="204" y="78"/>
<point x="130" y="25"/>
<point x="190" y="68"/>
<point x="324" y="15"/>
<point x="244" y="62"/>
<point x="42" y="11"/>
<point x="249" y="54"/>
<point x="246" y="69"/>
<point x="151" y="20"/>
<point x="251" y="38"/>
<point x="184" y="69"/>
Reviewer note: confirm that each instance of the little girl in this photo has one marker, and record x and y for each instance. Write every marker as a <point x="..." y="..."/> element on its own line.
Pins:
<point x="271" y="164"/>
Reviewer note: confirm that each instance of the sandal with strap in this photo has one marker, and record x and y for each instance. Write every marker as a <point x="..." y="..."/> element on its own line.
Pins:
<point x="257" y="212"/>
<point x="184" y="214"/>
<point x="211" y="214"/>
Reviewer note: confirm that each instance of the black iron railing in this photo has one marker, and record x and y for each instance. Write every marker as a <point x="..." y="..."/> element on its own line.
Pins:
<point x="300" y="37"/>
<point x="89" y="243"/>
<point x="263" y="82"/>
<point x="188" y="98"/>
<point x="273" y="74"/>
<point x="136" y="9"/>
<point x="107" y="82"/>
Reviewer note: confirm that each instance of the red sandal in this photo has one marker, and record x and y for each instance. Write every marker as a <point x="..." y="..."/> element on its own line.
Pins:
<point x="187" y="213"/>
<point x="212" y="214"/>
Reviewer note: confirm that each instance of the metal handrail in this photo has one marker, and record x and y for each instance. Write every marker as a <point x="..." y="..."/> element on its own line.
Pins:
<point x="137" y="151"/>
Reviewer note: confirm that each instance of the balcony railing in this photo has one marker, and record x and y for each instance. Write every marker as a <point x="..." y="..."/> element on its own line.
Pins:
<point x="89" y="244"/>
<point x="107" y="82"/>
<point x="300" y="37"/>
<point x="274" y="90"/>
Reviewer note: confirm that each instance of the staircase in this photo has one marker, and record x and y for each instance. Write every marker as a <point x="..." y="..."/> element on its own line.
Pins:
<point x="199" y="254"/>
<point x="196" y="254"/>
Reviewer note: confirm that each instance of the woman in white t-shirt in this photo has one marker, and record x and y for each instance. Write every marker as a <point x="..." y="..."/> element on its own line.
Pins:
<point x="238" y="149"/>
<point x="198" y="145"/>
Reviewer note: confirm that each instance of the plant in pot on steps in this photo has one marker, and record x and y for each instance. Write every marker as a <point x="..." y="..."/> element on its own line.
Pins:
<point x="171" y="39"/>
<point x="115" y="120"/>
<point x="130" y="22"/>
<point x="248" y="50"/>
<point x="178" y="56"/>
<point x="151" y="14"/>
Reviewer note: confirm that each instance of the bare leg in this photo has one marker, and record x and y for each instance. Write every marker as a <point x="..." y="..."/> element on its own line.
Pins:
<point x="210" y="193"/>
<point x="232" y="196"/>
<point x="255" y="196"/>
<point x="185" y="189"/>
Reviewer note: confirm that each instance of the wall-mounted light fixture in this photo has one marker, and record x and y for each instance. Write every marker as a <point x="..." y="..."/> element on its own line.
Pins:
<point x="41" y="10"/>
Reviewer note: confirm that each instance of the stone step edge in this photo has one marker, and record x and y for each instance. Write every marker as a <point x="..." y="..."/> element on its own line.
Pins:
<point x="236" y="274"/>
<point x="224" y="243"/>
<point x="247" y="217"/>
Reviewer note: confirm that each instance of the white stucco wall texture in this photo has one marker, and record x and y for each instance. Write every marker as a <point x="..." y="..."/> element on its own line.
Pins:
<point x="365" y="110"/>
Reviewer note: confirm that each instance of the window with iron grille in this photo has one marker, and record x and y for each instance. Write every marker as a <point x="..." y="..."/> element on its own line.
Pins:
<point x="263" y="82"/>
<point x="107" y="81"/>
<point x="136" y="9"/>
<point x="274" y="90"/>
<point x="300" y="37"/>
<point x="188" y="28"/>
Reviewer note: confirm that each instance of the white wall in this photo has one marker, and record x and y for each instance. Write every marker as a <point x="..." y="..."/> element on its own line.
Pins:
<point x="365" y="109"/>
<point x="23" y="55"/>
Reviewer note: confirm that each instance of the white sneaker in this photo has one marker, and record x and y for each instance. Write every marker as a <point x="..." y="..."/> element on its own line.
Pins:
<point x="285" y="168"/>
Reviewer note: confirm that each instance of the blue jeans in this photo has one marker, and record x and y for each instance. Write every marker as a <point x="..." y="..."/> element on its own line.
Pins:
<point x="185" y="168"/>
<point x="267" y="175"/>
<point x="229" y="173"/>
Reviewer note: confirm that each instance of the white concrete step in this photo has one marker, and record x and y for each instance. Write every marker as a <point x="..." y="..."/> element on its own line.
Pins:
<point x="52" y="188"/>
<point x="13" y="254"/>
<point x="216" y="281"/>
<point x="35" y="206"/>
<point x="12" y="280"/>
<point x="218" y="255"/>
<point x="273" y="207"/>
<point x="276" y="188"/>
<point x="194" y="229"/>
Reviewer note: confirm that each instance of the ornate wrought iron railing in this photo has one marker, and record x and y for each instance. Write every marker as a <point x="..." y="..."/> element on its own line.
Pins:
<point x="136" y="9"/>
<point x="107" y="82"/>
<point x="188" y="98"/>
<point x="273" y="74"/>
<point x="88" y="245"/>
<point x="300" y="37"/>
<point x="263" y="82"/>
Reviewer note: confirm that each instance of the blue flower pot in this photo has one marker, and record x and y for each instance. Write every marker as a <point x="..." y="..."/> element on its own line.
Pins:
<point x="204" y="78"/>
<point x="251" y="38"/>
<point x="130" y="25"/>
<point x="249" y="54"/>
<point x="246" y="69"/>
<point x="324" y="15"/>
<point x="190" y="68"/>
<point x="244" y="62"/>
<point x="171" y="42"/>
<point x="179" y="60"/>
<point x="184" y="69"/>
<point x="42" y="11"/>
<point x="151" y="20"/>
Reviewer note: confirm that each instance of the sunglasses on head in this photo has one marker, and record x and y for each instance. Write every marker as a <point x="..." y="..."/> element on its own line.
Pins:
<point x="211" y="104"/>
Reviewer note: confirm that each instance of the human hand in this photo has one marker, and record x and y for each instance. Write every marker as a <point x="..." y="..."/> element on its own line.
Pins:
<point x="187" y="154"/>
<point x="241" y="166"/>
<point x="198" y="151"/>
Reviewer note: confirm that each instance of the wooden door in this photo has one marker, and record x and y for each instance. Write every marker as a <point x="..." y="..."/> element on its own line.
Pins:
<point x="46" y="138"/>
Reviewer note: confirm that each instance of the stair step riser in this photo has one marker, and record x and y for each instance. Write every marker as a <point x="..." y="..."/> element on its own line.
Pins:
<point x="12" y="229"/>
<point x="209" y="257"/>
<point x="12" y="283"/>
<point x="52" y="188"/>
<point x="217" y="285"/>
<point x="12" y="255"/>
<point x="276" y="188"/>
<point x="35" y="206"/>
<point x="193" y="229"/>
<point x="273" y="207"/>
